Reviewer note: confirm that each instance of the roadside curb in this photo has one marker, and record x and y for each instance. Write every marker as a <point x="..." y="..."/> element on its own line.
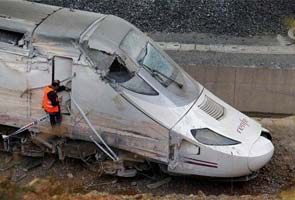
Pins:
<point x="242" y="49"/>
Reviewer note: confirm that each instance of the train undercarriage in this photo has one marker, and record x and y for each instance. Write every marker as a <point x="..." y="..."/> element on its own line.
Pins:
<point x="39" y="145"/>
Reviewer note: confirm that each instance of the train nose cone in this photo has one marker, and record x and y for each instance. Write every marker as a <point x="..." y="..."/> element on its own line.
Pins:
<point x="260" y="153"/>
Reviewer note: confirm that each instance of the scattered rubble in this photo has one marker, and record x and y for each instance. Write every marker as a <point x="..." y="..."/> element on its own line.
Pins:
<point x="159" y="183"/>
<point x="70" y="180"/>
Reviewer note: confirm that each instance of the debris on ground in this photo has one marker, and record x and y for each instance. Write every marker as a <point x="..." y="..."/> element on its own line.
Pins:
<point x="31" y="163"/>
<point x="69" y="179"/>
<point x="159" y="183"/>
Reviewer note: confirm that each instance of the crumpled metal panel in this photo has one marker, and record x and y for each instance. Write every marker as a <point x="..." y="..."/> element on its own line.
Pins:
<point x="102" y="44"/>
<point x="51" y="47"/>
<point x="22" y="16"/>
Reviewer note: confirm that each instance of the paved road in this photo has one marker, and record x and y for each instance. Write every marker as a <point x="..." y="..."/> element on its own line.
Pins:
<point x="233" y="59"/>
<point x="276" y="51"/>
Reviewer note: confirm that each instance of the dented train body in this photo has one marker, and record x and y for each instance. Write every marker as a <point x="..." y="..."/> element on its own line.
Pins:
<point x="136" y="97"/>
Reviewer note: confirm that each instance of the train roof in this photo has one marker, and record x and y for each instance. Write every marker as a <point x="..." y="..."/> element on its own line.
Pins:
<point x="66" y="24"/>
<point x="22" y="16"/>
<point x="41" y="21"/>
<point x="55" y="30"/>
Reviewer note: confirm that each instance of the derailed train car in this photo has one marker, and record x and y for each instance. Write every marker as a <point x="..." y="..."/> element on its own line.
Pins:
<point x="125" y="91"/>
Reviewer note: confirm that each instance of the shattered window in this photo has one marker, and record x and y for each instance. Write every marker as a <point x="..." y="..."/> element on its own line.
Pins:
<point x="138" y="85"/>
<point x="118" y="72"/>
<point x="133" y="43"/>
<point x="10" y="37"/>
<point x="113" y="66"/>
<point x="100" y="60"/>
<point x="158" y="65"/>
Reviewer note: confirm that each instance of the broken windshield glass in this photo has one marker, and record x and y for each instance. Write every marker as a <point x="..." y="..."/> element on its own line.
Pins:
<point x="112" y="66"/>
<point x="12" y="38"/>
<point x="100" y="60"/>
<point x="158" y="75"/>
<point x="156" y="62"/>
<point x="133" y="43"/>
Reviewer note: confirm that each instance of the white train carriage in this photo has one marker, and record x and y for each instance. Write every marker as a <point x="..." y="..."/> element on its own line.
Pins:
<point x="126" y="88"/>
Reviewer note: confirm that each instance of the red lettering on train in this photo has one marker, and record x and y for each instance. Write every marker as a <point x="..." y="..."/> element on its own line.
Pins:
<point x="243" y="125"/>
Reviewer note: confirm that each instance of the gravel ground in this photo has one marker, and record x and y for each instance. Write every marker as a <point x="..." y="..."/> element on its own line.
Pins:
<point x="228" y="17"/>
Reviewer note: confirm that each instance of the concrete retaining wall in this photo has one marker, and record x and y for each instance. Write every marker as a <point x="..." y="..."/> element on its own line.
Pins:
<point x="250" y="89"/>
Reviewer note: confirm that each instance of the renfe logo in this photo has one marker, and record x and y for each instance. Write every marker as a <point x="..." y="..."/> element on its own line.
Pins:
<point x="243" y="125"/>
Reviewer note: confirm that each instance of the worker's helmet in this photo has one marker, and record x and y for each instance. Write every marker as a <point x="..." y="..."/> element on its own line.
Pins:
<point x="55" y="83"/>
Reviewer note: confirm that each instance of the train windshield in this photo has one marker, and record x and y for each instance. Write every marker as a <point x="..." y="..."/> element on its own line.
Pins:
<point x="137" y="47"/>
<point x="133" y="43"/>
<point x="158" y="65"/>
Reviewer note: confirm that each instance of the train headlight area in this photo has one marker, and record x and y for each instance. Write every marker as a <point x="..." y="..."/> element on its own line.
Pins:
<point x="209" y="137"/>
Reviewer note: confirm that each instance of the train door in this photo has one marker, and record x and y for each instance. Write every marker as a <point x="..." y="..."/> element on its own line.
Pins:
<point x="62" y="69"/>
